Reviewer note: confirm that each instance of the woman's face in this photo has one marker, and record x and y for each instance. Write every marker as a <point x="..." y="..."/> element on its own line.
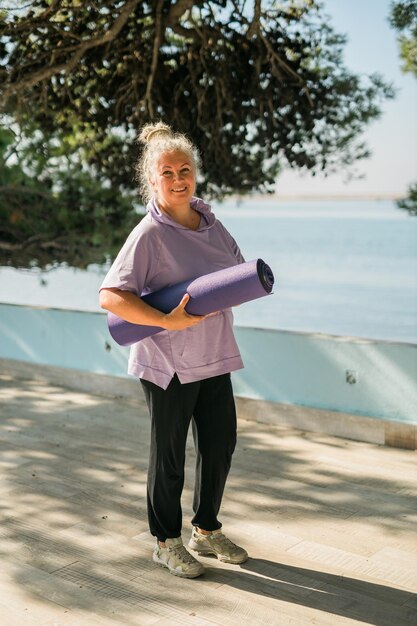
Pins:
<point x="173" y="180"/>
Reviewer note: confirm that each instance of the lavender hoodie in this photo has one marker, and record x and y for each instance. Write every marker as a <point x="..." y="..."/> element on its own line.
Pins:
<point x="160" y="252"/>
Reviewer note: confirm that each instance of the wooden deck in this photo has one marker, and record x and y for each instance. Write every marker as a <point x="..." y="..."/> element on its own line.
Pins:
<point x="330" y="524"/>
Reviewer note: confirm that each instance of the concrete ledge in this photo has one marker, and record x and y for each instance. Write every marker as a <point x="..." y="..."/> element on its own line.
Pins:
<point x="345" y="425"/>
<point x="100" y="384"/>
<point x="401" y="436"/>
<point x="351" y="375"/>
<point x="356" y="427"/>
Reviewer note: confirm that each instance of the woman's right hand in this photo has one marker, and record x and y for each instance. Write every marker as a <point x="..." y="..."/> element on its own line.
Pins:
<point x="178" y="318"/>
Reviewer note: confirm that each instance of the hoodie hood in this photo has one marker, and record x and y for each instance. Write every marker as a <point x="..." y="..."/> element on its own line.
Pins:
<point x="207" y="216"/>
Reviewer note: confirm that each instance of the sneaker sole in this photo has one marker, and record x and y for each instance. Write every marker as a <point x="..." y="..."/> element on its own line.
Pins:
<point x="220" y="557"/>
<point x="176" y="572"/>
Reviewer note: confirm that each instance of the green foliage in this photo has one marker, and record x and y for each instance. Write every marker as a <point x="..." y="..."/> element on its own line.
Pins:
<point x="53" y="211"/>
<point x="254" y="85"/>
<point x="410" y="202"/>
<point x="403" y="18"/>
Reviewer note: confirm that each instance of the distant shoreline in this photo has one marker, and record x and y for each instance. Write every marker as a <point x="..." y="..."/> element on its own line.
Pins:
<point x="305" y="197"/>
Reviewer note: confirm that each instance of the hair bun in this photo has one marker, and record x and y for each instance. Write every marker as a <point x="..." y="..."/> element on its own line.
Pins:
<point x="151" y="131"/>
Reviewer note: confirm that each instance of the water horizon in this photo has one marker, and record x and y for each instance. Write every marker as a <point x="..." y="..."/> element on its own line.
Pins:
<point x="346" y="268"/>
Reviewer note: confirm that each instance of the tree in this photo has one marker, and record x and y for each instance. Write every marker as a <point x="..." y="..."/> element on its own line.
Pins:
<point x="410" y="202"/>
<point x="253" y="84"/>
<point x="403" y="18"/>
<point x="66" y="217"/>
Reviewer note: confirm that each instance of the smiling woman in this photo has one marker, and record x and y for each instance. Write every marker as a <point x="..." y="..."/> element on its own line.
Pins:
<point x="167" y="171"/>
<point x="173" y="184"/>
<point x="185" y="369"/>
<point x="159" y="140"/>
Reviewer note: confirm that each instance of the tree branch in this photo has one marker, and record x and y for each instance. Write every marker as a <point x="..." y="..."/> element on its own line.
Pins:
<point x="20" y="189"/>
<point x="155" y="54"/>
<point x="285" y="66"/>
<point x="48" y="72"/>
<point x="172" y="19"/>
<point x="22" y="24"/>
<point x="255" y="23"/>
<point x="177" y="10"/>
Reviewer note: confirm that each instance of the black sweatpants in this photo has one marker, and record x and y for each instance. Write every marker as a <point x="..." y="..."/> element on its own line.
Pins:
<point x="211" y="406"/>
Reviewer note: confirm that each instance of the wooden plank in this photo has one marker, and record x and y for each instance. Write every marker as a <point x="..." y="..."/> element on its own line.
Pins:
<point x="329" y="524"/>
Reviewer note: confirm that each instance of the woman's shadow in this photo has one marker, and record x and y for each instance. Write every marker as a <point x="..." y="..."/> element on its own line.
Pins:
<point x="335" y="594"/>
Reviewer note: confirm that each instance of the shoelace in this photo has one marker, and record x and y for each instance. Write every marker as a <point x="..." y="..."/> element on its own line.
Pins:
<point x="182" y="553"/>
<point x="224" y="541"/>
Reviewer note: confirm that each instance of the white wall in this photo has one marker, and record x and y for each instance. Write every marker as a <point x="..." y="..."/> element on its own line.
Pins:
<point x="280" y="366"/>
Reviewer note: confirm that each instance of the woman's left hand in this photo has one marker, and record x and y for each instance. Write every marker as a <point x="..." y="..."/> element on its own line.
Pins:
<point x="179" y="319"/>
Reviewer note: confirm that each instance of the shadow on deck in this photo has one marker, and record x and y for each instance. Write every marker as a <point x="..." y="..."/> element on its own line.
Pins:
<point x="329" y="523"/>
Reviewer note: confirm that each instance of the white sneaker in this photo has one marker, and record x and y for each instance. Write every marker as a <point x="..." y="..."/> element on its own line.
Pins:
<point x="218" y="544"/>
<point x="177" y="559"/>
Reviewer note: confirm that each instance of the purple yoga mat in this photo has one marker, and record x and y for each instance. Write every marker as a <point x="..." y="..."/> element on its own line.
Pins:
<point x="212" y="292"/>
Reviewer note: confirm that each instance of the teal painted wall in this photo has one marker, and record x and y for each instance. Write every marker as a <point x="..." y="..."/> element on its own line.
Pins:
<point x="311" y="370"/>
<point x="280" y="366"/>
<point x="75" y="339"/>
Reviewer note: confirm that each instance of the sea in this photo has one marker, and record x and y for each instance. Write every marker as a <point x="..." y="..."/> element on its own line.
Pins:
<point x="341" y="267"/>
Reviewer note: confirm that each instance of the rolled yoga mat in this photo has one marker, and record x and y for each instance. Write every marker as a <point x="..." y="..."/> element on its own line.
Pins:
<point x="212" y="292"/>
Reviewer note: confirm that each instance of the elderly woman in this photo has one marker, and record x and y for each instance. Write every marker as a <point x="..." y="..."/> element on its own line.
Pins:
<point x="185" y="369"/>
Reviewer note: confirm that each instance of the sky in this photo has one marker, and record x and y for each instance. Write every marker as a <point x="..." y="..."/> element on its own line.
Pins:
<point x="372" y="47"/>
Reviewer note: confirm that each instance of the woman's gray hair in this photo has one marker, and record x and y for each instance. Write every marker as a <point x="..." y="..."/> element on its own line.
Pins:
<point x="158" y="139"/>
